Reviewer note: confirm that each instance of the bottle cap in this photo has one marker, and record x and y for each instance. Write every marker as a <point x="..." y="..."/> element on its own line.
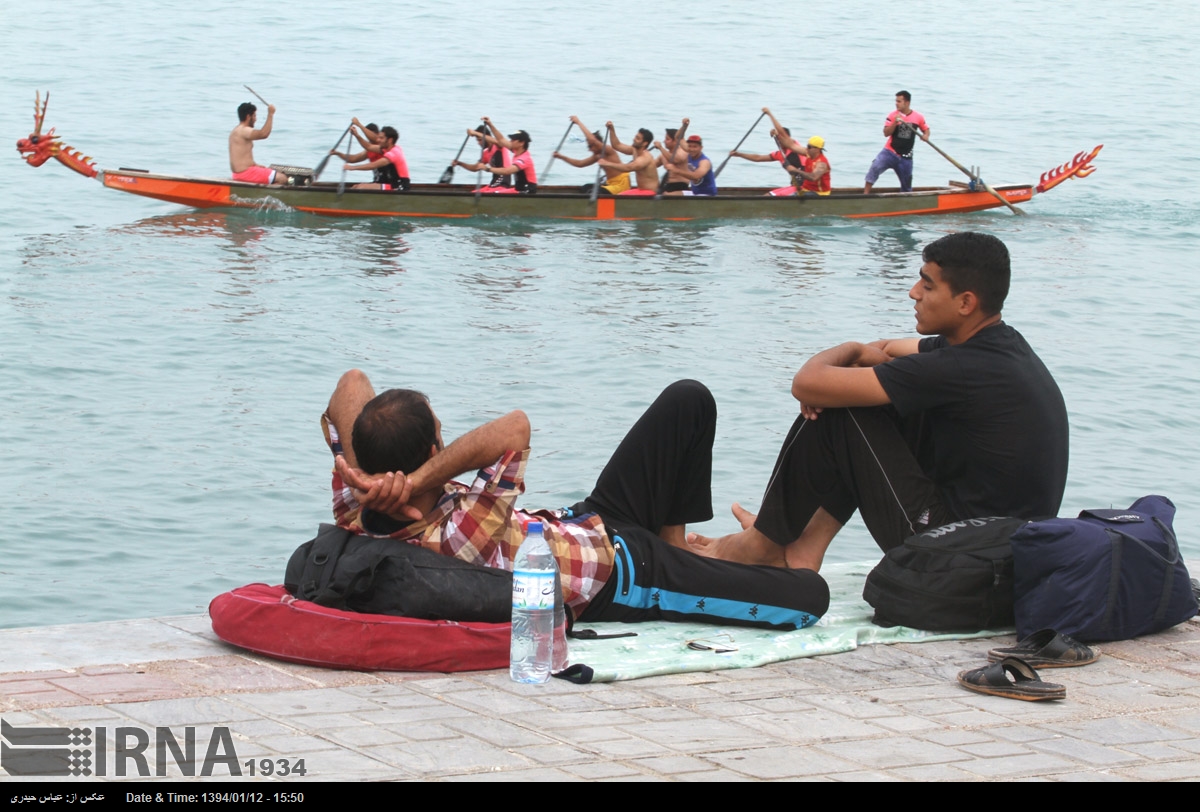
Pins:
<point x="534" y="527"/>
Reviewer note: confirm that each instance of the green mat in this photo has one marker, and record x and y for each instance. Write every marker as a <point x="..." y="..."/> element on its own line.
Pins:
<point x="662" y="648"/>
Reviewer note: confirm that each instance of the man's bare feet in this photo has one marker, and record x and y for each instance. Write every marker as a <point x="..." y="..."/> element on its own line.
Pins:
<point x="747" y="547"/>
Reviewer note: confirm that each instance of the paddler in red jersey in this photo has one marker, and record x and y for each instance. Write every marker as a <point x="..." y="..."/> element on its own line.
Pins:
<point x="241" y="148"/>
<point x="813" y="178"/>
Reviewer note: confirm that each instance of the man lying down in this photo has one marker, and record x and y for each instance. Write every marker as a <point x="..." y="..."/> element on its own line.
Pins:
<point x="621" y="551"/>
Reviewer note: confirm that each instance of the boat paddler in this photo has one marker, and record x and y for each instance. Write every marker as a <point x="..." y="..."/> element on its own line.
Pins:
<point x="643" y="166"/>
<point x="241" y="147"/>
<point x="618" y="180"/>
<point x="788" y="154"/>
<point x="674" y="159"/>
<point x="388" y="163"/>
<point x="521" y="169"/>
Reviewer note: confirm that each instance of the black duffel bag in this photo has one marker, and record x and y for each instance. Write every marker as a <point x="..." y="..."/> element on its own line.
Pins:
<point x="954" y="578"/>
<point x="386" y="576"/>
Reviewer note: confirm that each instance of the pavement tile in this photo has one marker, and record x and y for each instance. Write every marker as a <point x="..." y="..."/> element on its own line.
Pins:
<point x="907" y="724"/>
<point x="225" y="674"/>
<point x="782" y="762"/>
<point x="555" y="754"/>
<point x="507" y="776"/>
<point x="599" y="770"/>
<point x="437" y="712"/>
<point x="449" y="757"/>
<point x="856" y="707"/>
<point x="25" y="676"/>
<point x="1094" y="755"/>
<point x="698" y="736"/>
<point x="1118" y="731"/>
<point x="810" y="726"/>
<point x="957" y="737"/>
<point x="672" y="765"/>
<point x="196" y="710"/>
<point x="1164" y="771"/>
<point x="711" y="774"/>
<point x="290" y="704"/>
<point x="1018" y="766"/>
<point x="35" y="693"/>
<point x="1021" y="733"/>
<point x="629" y="747"/>
<point x="497" y="731"/>
<point x="364" y="736"/>
<point x="969" y="718"/>
<point x="932" y="772"/>
<point x="424" y="732"/>
<point x="994" y="749"/>
<point x="889" y="752"/>
<point x="588" y="720"/>
<point x="864" y="777"/>
<point x="119" y="687"/>
<point x="665" y="713"/>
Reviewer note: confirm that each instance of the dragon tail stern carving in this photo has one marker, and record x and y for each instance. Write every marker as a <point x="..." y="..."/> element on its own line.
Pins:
<point x="1078" y="167"/>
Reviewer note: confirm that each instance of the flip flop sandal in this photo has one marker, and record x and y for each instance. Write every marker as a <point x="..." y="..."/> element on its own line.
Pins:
<point x="1025" y="684"/>
<point x="1048" y="649"/>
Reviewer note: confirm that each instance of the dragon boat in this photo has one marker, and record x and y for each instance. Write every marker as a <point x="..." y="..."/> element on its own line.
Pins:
<point x="553" y="202"/>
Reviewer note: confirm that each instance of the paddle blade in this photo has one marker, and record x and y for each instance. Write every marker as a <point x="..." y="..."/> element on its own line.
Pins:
<point x="448" y="175"/>
<point x="320" y="167"/>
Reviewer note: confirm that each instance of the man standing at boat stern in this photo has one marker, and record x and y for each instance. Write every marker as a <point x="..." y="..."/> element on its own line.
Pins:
<point x="915" y="433"/>
<point x="241" y="148"/>
<point x="902" y="127"/>
<point x="621" y="551"/>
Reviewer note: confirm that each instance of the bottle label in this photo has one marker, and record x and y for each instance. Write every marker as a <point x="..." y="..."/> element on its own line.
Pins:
<point x="533" y="590"/>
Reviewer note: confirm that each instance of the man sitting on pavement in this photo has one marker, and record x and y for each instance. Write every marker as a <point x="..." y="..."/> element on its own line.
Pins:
<point x="241" y="148"/>
<point x="621" y="551"/>
<point x="916" y="433"/>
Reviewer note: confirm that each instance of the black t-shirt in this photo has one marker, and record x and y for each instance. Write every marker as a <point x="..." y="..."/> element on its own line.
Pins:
<point x="994" y="425"/>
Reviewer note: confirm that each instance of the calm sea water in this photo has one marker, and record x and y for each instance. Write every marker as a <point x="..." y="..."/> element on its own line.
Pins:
<point x="164" y="368"/>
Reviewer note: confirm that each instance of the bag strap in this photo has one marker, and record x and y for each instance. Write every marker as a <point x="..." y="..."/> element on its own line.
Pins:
<point x="321" y="563"/>
<point x="1164" y="601"/>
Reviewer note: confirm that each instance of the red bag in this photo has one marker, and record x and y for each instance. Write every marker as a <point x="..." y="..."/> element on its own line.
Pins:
<point x="268" y="620"/>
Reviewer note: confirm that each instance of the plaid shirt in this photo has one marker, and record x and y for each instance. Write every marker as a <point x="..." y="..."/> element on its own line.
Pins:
<point x="480" y="524"/>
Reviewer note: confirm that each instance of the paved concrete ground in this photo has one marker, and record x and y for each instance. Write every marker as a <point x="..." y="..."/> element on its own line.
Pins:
<point x="878" y="713"/>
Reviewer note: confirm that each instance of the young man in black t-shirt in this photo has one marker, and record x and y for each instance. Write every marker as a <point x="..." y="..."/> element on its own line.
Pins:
<point x="915" y="433"/>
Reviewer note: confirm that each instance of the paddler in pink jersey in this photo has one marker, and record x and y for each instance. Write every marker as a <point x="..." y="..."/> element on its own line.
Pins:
<point x="388" y="161"/>
<point x="524" y="176"/>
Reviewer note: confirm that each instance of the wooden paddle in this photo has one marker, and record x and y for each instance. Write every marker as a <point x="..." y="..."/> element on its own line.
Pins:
<point x="561" y="141"/>
<point x="739" y="145"/>
<point x="448" y="175"/>
<point x="968" y="173"/>
<point x="261" y="99"/>
<point x="599" y="168"/>
<point x="321" y="166"/>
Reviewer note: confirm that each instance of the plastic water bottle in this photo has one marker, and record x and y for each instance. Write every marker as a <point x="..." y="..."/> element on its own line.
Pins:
<point x="535" y="574"/>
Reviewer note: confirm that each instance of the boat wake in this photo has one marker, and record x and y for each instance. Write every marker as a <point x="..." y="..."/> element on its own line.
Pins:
<point x="262" y="204"/>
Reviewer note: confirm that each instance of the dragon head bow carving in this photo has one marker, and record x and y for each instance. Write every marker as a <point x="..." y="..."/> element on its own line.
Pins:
<point x="1078" y="167"/>
<point x="39" y="148"/>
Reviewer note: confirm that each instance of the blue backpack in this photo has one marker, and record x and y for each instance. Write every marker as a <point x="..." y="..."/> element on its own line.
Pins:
<point x="1107" y="575"/>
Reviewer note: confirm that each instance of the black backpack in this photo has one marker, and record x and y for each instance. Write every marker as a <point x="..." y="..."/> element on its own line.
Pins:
<point x="954" y="578"/>
<point x="391" y="577"/>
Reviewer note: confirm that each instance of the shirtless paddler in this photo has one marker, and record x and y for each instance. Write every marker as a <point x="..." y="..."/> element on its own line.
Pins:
<point x="643" y="165"/>
<point x="241" y="148"/>
<point x="673" y="157"/>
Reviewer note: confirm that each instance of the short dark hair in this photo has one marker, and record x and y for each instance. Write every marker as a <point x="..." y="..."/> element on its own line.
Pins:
<point x="971" y="261"/>
<point x="907" y="96"/>
<point x="394" y="432"/>
<point x="520" y="135"/>
<point x="671" y="132"/>
<point x="373" y="127"/>
<point x="245" y="109"/>
<point x="390" y="132"/>
<point x="646" y="135"/>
